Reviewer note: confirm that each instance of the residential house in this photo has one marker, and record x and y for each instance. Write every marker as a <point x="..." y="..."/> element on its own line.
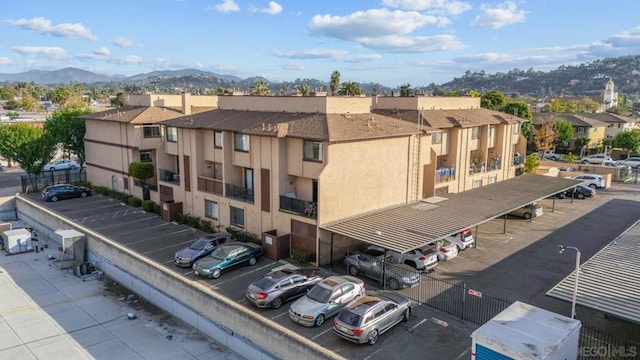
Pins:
<point x="585" y="125"/>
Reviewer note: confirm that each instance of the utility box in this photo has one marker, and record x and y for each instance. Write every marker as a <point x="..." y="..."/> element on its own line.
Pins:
<point x="17" y="241"/>
<point x="524" y="332"/>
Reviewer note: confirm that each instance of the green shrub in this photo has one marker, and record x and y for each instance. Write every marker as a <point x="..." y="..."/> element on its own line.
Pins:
<point x="86" y="184"/>
<point x="301" y="256"/>
<point x="134" y="201"/>
<point x="205" y="226"/>
<point x="147" y="205"/>
<point x="101" y="190"/>
<point x="193" y="221"/>
<point x="244" y="236"/>
<point x="181" y="218"/>
<point x="157" y="208"/>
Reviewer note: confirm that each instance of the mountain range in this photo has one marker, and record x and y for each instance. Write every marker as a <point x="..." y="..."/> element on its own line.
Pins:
<point x="587" y="79"/>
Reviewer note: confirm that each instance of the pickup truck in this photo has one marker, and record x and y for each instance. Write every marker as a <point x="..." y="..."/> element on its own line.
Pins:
<point x="550" y="154"/>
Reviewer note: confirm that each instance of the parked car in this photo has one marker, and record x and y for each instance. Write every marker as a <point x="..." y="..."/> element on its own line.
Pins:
<point x="616" y="164"/>
<point x="226" y="257"/>
<point x="64" y="191"/>
<point x="425" y="260"/>
<point x="326" y="299"/>
<point x="632" y="161"/>
<point x="591" y="180"/>
<point x="372" y="264"/>
<point x="550" y="155"/>
<point x="61" y="164"/>
<point x="528" y="211"/>
<point x="366" y="319"/>
<point x="445" y="249"/>
<point x="581" y="192"/>
<point x="595" y="159"/>
<point x="463" y="240"/>
<point x="200" y="248"/>
<point x="277" y="287"/>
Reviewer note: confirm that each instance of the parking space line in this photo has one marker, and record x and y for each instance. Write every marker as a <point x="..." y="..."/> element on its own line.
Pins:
<point x="256" y="269"/>
<point x="464" y="354"/>
<point x="322" y="333"/>
<point x="279" y="315"/>
<point x="441" y="268"/>
<point x="418" y="324"/>
<point x="480" y="248"/>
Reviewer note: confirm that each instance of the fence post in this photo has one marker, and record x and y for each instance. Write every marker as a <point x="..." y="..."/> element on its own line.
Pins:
<point x="420" y="289"/>
<point x="464" y="300"/>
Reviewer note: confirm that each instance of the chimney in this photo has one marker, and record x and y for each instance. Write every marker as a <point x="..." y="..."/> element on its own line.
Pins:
<point x="186" y="103"/>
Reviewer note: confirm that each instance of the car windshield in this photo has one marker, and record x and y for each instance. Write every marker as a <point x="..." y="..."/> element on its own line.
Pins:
<point x="349" y="318"/>
<point x="221" y="253"/>
<point x="319" y="294"/>
<point x="264" y="283"/>
<point x="198" y="244"/>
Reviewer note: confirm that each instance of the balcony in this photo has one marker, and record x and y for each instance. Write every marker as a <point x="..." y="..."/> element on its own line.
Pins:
<point x="239" y="193"/>
<point x="494" y="164"/>
<point x="445" y="174"/>
<point x="169" y="176"/>
<point x="210" y="185"/>
<point x="300" y="207"/>
<point x="517" y="160"/>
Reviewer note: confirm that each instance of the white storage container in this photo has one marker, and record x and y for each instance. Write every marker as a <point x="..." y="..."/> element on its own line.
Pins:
<point x="17" y="241"/>
<point x="524" y="332"/>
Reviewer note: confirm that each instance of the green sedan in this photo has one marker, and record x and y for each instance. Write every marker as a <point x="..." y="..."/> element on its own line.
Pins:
<point x="226" y="257"/>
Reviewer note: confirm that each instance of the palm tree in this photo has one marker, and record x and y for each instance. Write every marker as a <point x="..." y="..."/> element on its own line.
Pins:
<point x="303" y="89"/>
<point x="334" y="84"/>
<point x="405" y="90"/>
<point x="350" y="88"/>
<point x="260" y="88"/>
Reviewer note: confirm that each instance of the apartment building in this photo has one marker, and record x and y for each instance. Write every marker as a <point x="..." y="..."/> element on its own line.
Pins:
<point x="286" y="165"/>
<point x="585" y="125"/>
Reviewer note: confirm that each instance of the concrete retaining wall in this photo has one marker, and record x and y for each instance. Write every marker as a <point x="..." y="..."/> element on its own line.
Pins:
<point x="211" y="313"/>
<point x="7" y="207"/>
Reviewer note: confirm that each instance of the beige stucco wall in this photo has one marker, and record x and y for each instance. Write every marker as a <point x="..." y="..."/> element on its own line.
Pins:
<point x="168" y="100"/>
<point x="426" y="103"/>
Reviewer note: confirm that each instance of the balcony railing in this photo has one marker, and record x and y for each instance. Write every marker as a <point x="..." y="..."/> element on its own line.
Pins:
<point x="210" y="185"/>
<point x="139" y="183"/>
<point x="300" y="207"/>
<point x="239" y="193"/>
<point x="445" y="174"/>
<point x="169" y="176"/>
<point x="517" y="160"/>
<point x="493" y="164"/>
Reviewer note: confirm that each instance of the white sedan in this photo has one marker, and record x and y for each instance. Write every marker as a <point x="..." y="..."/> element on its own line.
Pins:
<point x="632" y="161"/>
<point x="62" y="164"/>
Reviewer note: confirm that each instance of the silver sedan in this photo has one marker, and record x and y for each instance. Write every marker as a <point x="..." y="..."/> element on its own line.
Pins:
<point x="279" y="286"/>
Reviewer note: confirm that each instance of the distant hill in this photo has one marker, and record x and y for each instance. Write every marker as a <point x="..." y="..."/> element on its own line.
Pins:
<point x="65" y="75"/>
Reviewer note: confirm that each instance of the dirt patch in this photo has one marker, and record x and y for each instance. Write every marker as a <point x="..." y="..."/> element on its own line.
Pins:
<point x="114" y="288"/>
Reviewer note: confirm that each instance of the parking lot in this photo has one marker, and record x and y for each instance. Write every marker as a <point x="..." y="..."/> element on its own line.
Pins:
<point x="520" y="265"/>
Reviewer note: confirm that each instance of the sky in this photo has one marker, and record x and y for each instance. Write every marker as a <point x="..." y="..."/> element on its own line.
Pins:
<point x="391" y="42"/>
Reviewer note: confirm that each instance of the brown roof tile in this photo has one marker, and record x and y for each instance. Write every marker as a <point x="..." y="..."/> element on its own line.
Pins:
<point x="135" y="114"/>
<point x="443" y="119"/>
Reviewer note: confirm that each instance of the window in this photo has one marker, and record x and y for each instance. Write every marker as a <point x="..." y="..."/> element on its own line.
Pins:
<point x="492" y="131"/>
<point x="477" y="184"/>
<point x="475" y="132"/>
<point x="493" y="179"/>
<point x="217" y="139"/>
<point x="580" y="130"/>
<point x="217" y="171"/>
<point x="437" y="138"/>
<point x="516" y="128"/>
<point x="248" y="178"/>
<point x="313" y="150"/>
<point x="151" y="131"/>
<point x="172" y="134"/>
<point x="145" y="156"/>
<point x="241" y="142"/>
<point x="126" y="183"/>
<point x="237" y="217"/>
<point x="211" y="209"/>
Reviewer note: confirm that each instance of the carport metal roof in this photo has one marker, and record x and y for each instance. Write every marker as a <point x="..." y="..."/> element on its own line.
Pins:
<point x="411" y="226"/>
<point x="609" y="281"/>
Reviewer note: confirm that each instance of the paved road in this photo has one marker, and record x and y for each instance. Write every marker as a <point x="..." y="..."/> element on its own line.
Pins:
<point x="10" y="181"/>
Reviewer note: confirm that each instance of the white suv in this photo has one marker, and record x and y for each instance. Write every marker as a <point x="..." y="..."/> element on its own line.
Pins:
<point x="426" y="259"/>
<point x="464" y="239"/>
<point x="595" y="159"/>
<point x="591" y="180"/>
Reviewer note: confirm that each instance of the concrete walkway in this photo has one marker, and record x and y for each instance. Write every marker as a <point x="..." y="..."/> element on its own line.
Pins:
<point x="48" y="313"/>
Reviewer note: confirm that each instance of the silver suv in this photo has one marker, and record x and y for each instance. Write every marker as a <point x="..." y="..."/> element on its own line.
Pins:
<point x="372" y="264"/>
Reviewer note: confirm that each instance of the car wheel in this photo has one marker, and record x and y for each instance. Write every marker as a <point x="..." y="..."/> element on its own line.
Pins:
<point x="405" y="316"/>
<point x="394" y="284"/>
<point x="72" y="167"/>
<point x="459" y="248"/>
<point x="276" y="303"/>
<point x="252" y="261"/>
<point x="580" y="196"/>
<point x="373" y="337"/>
<point x="527" y="216"/>
<point x="54" y="198"/>
<point x="593" y="186"/>
<point x="411" y="263"/>
<point x="585" y="162"/>
<point x="319" y="321"/>
<point x="83" y="194"/>
<point x="216" y="273"/>
<point x="353" y="270"/>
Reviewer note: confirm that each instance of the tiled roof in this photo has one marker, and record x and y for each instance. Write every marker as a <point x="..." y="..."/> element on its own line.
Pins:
<point x="410" y="226"/>
<point x="135" y="114"/>
<point x="575" y="119"/>
<point x="443" y="119"/>
<point x="612" y="118"/>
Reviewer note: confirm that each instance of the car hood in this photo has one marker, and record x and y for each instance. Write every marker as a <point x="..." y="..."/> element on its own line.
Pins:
<point x="187" y="253"/>
<point x="209" y="262"/>
<point x="306" y="306"/>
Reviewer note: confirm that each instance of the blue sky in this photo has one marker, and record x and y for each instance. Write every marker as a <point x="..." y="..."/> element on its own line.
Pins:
<point x="391" y="42"/>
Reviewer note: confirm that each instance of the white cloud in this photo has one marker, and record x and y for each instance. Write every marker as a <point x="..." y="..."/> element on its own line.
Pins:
<point x="371" y="23"/>
<point x="5" y="61"/>
<point x="122" y="42"/>
<point x="504" y="14"/>
<point x="56" y="53"/>
<point x="273" y="9"/>
<point x="293" y="66"/>
<point x="103" y="51"/>
<point x="335" y="55"/>
<point x="413" y="44"/>
<point x="44" y="26"/>
<point x="227" y="6"/>
<point x="437" y="6"/>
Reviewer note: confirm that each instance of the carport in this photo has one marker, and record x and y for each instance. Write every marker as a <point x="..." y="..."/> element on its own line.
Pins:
<point x="410" y="226"/>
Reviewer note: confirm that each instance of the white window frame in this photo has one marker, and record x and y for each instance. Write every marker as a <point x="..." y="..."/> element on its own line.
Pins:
<point x="211" y="209"/>
<point x="148" y="156"/>
<point x="217" y="139"/>
<point x="312" y="150"/>
<point x="172" y="134"/>
<point x="580" y="130"/>
<point x="242" y="142"/>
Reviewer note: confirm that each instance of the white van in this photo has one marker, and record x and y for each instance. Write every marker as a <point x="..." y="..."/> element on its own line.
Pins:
<point x="528" y="211"/>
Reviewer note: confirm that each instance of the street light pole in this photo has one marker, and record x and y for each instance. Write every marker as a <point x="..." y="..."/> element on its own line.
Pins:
<point x="561" y="249"/>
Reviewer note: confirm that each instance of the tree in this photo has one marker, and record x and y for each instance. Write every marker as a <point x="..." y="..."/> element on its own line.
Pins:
<point x="143" y="171"/>
<point x="303" y="89"/>
<point x="62" y="95"/>
<point x="7" y="93"/>
<point x="564" y="131"/>
<point x="493" y="100"/>
<point x="28" y="146"/>
<point x="350" y="88"/>
<point x="570" y="158"/>
<point x="334" y="84"/>
<point x="119" y="100"/>
<point x="66" y="127"/>
<point x="628" y="140"/>
<point x="405" y="90"/>
<point x="260" y="88"/>
<point x="544" y="136"/>
<point x="531" y="163"/>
